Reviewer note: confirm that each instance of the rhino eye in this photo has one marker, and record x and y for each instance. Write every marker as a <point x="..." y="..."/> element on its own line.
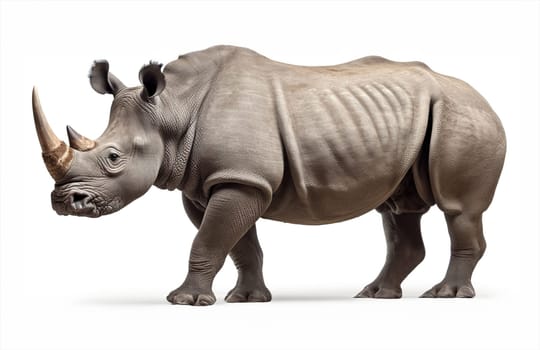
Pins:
<point x="113" y="156"/>
<point x="112" y="161"/>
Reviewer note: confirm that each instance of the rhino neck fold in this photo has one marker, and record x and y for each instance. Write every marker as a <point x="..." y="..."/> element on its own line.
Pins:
<point x="175" y="159"/>
<point x="178" y="124"/>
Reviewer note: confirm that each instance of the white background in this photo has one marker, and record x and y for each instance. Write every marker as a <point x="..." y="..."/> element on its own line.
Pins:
<point x="77" y="283"/>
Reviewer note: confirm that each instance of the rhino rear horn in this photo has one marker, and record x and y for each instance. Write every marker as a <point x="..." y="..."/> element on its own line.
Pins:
<point x="56" y="154"/>
<point x="79" y="142"/>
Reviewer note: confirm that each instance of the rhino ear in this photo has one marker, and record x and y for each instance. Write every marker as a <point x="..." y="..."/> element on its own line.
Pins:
<point x="102" y="81"/>
<point x="152" y="79"/>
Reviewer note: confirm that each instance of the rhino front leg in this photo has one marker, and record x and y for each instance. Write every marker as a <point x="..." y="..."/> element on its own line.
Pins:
<point x="405" y="250"/>
<point x="248" y="258"/>
<point x="231" y="211"/>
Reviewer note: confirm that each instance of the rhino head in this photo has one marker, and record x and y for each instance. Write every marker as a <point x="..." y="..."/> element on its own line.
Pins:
<point x="98" y="177"/>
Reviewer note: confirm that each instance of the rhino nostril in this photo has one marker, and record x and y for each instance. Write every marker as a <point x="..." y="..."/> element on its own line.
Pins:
<point x="79" y="200"/>
<point x="77" y="197"/>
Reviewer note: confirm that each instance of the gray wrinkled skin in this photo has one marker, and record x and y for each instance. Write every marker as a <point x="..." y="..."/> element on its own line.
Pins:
<point x="245" y="137"/>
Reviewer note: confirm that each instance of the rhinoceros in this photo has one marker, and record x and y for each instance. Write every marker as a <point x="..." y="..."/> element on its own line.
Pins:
<point x="245" y="137"/>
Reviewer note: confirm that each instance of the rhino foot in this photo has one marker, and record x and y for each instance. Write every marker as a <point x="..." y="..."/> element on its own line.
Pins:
<point x="247" y="294"/>
<point x="375" y="291"/>
<point x="184" y="296"/>
<point x="450" y="290"/>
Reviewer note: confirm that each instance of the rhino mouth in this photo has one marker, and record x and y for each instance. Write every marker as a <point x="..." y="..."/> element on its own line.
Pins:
<point x="82" y="203"/>
<point x="79" y="203"/>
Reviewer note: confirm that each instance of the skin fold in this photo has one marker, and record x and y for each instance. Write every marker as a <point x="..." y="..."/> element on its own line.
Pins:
<point x="245" y="137"/>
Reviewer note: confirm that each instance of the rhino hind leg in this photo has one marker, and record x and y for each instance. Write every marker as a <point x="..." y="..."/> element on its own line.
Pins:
<point x="248" y="258"/>
<point x="405" y="250"/>
<point x="468" y="246"/>
<point x="401" y="215"/>
<point x="466" y="157"/>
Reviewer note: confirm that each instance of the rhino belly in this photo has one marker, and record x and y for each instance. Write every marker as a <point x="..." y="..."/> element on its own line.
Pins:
<point x="329" y="204"/>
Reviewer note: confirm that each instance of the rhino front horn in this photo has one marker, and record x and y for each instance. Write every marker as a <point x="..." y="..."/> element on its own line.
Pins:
<point x="56" y="154"/>
<point x="79" y="142"/>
